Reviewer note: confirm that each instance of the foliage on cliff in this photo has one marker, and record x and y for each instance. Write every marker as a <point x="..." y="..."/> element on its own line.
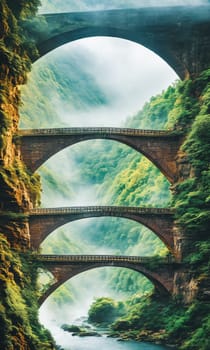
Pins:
<point x="151" y="318"/>
<point x="16" y="52"/>
<point x="191" y="198"/>
<point x="19" y="327"/>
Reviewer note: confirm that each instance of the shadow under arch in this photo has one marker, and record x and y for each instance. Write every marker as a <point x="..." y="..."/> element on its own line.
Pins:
<point x="166" y="31"/>
<point x="162" y="279"/>
<point x="65" y="38"/>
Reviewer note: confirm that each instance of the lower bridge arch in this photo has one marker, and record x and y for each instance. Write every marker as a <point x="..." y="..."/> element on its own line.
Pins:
<point x="161" y="277"/>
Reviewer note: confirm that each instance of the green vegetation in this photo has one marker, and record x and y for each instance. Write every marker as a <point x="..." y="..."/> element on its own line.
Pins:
<point x="71" y="328"/>
<point x="151" y="319"/>
<point x="191" y="198"/>
<point x="67" y="92"/>
<point x="105" y="311"/>
<point x="16" y="52"/>
<point x="19" y="327"/>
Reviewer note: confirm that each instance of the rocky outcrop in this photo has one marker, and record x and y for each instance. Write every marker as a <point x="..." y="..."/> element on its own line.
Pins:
<point x="185" y="286"/>
<point x="19" y="190"/>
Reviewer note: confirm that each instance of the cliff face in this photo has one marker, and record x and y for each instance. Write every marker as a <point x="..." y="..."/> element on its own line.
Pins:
<point x="16" y="184"/>
<point x="14" y="181"/>
<point x="191" y="193"/>
<point x="19" y="327"/>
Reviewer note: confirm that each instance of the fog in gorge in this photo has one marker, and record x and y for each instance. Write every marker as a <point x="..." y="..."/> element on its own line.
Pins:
<point x="122" y="70"/>
<point x="121" y="74"/>
<point x="91" y="5"/>
<point x="110" y="80"/>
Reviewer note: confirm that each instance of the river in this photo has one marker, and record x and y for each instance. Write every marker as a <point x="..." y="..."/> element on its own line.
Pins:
<point x="69" y="342"/>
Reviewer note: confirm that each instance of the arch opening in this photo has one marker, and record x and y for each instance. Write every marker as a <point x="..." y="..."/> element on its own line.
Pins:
<point x="106" y="77"/>
<point x="95" y="173"/>
<point x="105" y="235"/>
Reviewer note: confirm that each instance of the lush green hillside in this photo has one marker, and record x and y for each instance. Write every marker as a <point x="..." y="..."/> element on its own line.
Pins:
<point x="71" y="88"/>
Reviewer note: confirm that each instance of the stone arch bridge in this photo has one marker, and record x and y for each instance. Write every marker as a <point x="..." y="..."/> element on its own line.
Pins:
<point x="159" y="146"/>
<point x="180" y="35"/>
<point x="43" y="221"/>
<point x="161" y="272"/>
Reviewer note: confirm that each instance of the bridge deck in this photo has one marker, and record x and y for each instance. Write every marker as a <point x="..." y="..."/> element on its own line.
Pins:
<point x="65" y="259"/>
<point x="97" y="130"/>
<point x="102" y="209"/>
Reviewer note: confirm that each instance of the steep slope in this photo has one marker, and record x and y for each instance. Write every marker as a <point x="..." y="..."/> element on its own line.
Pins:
<point x="19" y="326"/>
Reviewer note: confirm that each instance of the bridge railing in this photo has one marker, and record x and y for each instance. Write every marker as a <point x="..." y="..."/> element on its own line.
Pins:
<point x="99" y="209"/>
<point x="101" y="258"/>
<point x="97" y="130"/>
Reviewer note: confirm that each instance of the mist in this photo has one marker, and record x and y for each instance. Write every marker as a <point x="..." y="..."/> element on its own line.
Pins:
<point x="76" y="192"/>
<point x="125" y="75"/>
<point x="88" y="5"/>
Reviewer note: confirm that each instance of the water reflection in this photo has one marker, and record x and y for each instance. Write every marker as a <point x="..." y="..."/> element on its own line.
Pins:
<point x="69" y="342"/>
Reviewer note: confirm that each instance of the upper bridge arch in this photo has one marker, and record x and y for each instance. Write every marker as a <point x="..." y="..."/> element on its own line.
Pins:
<point x="179" y="35"/>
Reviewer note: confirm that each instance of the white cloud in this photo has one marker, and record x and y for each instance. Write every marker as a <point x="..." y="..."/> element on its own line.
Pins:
<point x="126" y="72"/>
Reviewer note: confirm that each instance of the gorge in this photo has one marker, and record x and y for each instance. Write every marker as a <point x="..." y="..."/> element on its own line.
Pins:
<point x="122" y="177"/>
